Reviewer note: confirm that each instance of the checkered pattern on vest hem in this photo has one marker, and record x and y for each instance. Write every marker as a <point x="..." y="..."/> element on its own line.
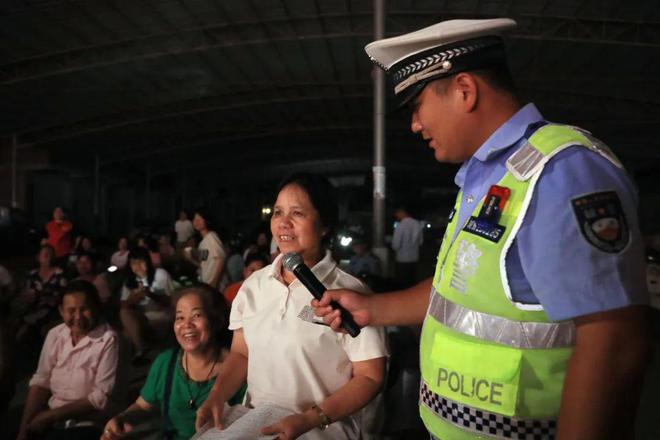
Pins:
<point x="483" y="422"/>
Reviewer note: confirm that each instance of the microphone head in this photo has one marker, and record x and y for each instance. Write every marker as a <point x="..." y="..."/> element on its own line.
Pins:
<point x="292" y="260"/>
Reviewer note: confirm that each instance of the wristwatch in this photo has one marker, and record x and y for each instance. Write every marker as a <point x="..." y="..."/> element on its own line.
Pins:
<point x="324" y="420"/>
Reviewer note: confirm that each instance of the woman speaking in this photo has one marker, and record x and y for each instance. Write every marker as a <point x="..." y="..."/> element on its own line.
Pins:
<point x="288" y="357"/>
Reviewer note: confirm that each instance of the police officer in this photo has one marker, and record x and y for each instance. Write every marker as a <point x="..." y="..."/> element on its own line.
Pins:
<point x="535" y="326"/>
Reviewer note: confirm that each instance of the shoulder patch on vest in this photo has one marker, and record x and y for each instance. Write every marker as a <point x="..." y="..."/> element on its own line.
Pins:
<point x="528" y="160"/>
<point x="601" y="221"/>
<point x="525" y="162"/>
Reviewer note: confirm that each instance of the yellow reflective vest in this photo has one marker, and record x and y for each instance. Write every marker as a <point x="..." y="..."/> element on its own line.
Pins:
<point x="491" y="367"/>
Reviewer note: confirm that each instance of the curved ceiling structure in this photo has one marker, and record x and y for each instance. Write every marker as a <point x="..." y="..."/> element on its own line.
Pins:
<point x="207" y="84"/>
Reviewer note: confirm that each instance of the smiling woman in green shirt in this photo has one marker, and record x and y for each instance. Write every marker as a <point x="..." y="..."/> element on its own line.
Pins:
<point x="180" y="379"/>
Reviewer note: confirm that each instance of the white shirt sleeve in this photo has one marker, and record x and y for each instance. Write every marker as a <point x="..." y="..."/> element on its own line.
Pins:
<point x="396" y="237"/>
<point x="371" y="342"/>
<point x="162" y="283"/>
<point x="106" y="374"/>
<point x="237" y="308"/>
<point x="125" y="292"/>
<point x="47" y="359"/>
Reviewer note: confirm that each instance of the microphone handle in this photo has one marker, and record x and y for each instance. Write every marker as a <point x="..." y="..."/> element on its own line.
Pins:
<point x="317" y="289"/>
<point x="346" y="320"/>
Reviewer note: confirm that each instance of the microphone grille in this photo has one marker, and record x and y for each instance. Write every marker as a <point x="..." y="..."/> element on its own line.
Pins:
<point x="291" y="260"/>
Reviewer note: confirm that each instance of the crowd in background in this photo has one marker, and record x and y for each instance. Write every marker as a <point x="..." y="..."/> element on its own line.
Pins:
<point x="84" y="315"/>
<point x="130" y="292"/>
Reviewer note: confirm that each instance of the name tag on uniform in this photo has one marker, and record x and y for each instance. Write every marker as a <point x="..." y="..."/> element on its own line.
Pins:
<point x="484" y="229"/>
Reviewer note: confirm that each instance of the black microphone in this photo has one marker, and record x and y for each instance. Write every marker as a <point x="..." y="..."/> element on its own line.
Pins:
<point x="294" y="263"/>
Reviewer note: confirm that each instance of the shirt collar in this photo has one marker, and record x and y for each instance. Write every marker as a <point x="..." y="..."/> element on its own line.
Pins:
<point x="321" y="269"/>
<point x="507" y="135"/>
<point x="95" y="335"/>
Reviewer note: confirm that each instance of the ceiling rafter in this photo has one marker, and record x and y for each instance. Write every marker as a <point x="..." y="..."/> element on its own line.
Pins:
<point x="200" y="82"/>
<point x="223" y="102"/>
<point x="220" y="35"/>
<point x="248" y="133"/>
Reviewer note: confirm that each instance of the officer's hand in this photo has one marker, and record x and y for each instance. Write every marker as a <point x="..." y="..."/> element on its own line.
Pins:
<point x="358" y="305"/>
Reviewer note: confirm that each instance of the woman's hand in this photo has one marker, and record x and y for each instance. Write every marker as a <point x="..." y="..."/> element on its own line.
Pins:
<point x="293" y="426"/>
<point x="116" y="428"/>
<point x="210" y="413"/>
<point x="137" y="295"/>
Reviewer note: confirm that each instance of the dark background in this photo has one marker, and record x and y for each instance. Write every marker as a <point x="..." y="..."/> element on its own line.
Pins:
<point x="213" y="101"/>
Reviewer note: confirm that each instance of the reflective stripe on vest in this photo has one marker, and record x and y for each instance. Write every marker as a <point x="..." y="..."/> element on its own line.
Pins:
<point x="493" y="328"/>
<point x="486" y="423"/>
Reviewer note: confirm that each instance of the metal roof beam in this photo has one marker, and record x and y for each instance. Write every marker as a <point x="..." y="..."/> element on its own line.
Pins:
<point x="263" y="97"/>
<point x="570" y="29"/>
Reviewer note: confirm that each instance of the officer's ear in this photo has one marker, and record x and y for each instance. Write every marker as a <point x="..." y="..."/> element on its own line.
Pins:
<point x="467" y="91"/>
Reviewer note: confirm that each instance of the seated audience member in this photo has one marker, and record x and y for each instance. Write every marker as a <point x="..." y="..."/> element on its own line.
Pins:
<point x="83" y="244"/>
<point x="73" y="253"/>
<point x="70" y="393"/>
<point x="211" y="256"/>
<point x="85" y="271"/>
<point x="235" y="262"/>
<point x="145" y="298"/>
<point x="253" y="263"/>
<point x="184" y="230"/>
<point x="260" y="244"/>
<point x="189" y="371"/>
<point x="119" y="259"/>
<point x="87" y="246"/>
<point x="363" y="262"/>
<point x="166" y="251"/>
<point x="149" y="244"/>
<point x="42" y="287"/>
<point x="324" y="377"/>
<point x="187" y="267"/>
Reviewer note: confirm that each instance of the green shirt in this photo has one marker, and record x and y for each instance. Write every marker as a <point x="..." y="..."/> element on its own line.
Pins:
<point x="181" y="416"/>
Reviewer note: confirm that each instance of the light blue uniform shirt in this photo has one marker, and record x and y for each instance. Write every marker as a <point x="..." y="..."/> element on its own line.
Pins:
<point x="550" y="262"/>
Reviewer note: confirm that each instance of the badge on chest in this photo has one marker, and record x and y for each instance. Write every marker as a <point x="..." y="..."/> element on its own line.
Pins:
<point x="486" y="224"/>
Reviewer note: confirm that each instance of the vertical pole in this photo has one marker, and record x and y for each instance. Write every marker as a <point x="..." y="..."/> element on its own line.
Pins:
<point x="184" y="189"/>
<point x="14" y="172"/>
<point x="97" y="180"/>
<point x="379" y="142"/>
<point x="147" y="192"/>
